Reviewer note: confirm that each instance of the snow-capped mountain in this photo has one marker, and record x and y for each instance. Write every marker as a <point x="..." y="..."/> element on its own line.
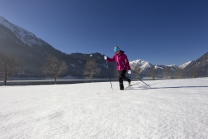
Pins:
<point x="24" y="45"/>
<point x="141" y="63"/>
<point x="146" y="68"/>
<point x="22" y="34"/>
<point x="188" y="69"/>
<point x="144" y="65"/>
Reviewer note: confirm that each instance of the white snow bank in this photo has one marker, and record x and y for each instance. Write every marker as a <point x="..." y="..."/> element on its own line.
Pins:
<point x="171" y="109"/>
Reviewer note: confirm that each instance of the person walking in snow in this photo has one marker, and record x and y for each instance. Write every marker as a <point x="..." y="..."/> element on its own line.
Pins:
<point x="122" y="64"/>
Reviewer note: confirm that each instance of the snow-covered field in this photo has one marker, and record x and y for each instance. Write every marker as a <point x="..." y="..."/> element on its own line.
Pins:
<point x="172" y="109"/>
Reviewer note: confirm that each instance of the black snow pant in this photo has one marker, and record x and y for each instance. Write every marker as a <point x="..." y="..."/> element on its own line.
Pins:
<point x="122" y="76"/>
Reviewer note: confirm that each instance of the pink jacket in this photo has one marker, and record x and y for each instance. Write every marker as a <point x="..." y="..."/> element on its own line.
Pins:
<point x="122" y="61"/>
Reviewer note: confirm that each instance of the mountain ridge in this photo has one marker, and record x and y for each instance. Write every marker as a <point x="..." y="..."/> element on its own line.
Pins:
<point x="23" y="44"/>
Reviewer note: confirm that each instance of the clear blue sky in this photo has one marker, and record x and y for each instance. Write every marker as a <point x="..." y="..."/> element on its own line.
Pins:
<point x="158" y="31"/>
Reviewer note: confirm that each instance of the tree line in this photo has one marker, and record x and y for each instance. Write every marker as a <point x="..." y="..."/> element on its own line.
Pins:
<point x="54" y="67"/>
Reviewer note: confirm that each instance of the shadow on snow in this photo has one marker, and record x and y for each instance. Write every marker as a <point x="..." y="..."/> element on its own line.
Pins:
<point x="172" y="87"/>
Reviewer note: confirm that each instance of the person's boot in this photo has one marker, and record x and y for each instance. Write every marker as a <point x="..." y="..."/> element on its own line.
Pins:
<point x="121" y="86"/>
<point x="129" y="81"/>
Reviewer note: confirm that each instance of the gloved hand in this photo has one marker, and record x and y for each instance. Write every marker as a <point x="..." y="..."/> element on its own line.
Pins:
<point x="129" y="71"/>
<point x="105" y="57"/>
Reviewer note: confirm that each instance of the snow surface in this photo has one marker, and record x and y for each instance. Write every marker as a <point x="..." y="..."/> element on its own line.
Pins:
<point x="175" y="109"/>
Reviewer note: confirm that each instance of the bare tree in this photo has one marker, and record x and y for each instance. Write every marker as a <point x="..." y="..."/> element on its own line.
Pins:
<point x="153" y="72"/>
<point x="179" y="73"/>
<point x="8" y="66"/>
<point x="207" y="72"/>
<point x="166" y="72"/>
<point x="54" y="67"/>
<point x="91" y="69"/>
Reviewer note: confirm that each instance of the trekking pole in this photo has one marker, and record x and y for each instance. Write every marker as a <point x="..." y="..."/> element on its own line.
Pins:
<point x="109" y="74"/>
<point x="144" y="83"/>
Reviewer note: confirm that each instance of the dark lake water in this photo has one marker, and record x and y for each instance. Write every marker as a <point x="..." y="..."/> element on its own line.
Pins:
<point x="52" y="81"/>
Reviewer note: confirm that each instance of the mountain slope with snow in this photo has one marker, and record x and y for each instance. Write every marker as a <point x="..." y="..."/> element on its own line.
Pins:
<point x="146" y="68"/>
<point x="185" y="65"/>
<point x="145" y="65"/>
<point x="140" y="63"/>
<point x="175" y="109"/>
<point x="199" y="66"/>
<point x="22" y="34"/>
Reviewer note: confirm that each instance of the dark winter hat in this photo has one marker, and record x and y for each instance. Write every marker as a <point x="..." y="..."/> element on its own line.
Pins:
<point x="116" y="49"/>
